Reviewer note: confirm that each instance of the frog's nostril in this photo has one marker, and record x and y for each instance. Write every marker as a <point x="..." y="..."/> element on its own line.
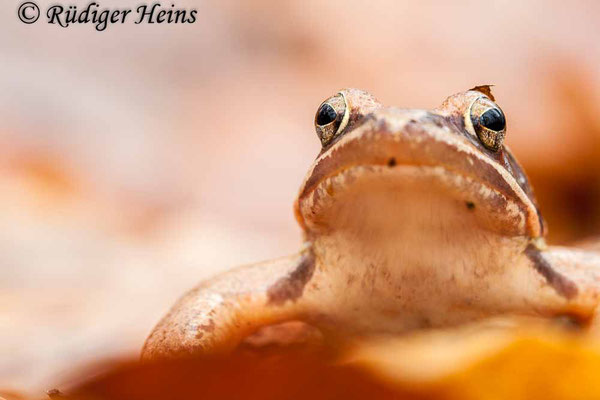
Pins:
<point x="391" y="162"/>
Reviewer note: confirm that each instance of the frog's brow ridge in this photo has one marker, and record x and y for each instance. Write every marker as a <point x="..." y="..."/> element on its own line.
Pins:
<point x="485" y="89"/>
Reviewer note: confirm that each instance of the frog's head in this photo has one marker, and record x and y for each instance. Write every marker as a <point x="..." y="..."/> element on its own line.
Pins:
<point x="383" y="170"/>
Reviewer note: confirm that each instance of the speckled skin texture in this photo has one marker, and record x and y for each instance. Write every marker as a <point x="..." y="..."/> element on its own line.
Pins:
<point x="409" y="222"/>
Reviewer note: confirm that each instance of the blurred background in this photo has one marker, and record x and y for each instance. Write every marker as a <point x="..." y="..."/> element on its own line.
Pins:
<point x="136" y="161"/>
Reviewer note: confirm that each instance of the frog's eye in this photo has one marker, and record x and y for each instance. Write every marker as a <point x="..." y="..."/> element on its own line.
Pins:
<point x="331" y="118"/>
<point x="489" y="123"/>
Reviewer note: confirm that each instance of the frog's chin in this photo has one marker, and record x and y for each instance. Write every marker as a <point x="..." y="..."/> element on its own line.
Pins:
<point x="434" y="203"/>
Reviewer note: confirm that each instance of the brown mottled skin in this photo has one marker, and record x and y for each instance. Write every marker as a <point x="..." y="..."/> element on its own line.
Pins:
<point x="411" y="219"/>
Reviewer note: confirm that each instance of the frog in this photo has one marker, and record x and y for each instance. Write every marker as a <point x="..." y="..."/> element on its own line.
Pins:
<point x="411" y="219"/>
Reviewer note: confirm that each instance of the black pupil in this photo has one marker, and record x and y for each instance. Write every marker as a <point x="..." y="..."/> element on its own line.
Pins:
<point x="326" y="115"/>
<point x="493" y="119"/>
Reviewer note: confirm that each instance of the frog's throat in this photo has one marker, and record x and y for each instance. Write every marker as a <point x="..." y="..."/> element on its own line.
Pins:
<point x="413" y="139"/>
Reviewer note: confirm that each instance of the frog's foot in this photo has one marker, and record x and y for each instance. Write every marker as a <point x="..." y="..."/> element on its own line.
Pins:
<point x="217" y="315"/>
<point x="285" y="334"/>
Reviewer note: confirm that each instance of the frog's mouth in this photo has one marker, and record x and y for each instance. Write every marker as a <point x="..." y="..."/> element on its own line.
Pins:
<point x="402" y="161"/>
